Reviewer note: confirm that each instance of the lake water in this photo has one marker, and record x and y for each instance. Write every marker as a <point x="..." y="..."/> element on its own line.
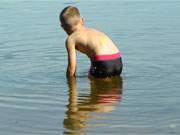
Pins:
<point x="35" y="96"/>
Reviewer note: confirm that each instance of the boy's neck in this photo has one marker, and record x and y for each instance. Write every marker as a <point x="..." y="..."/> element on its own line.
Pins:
<point x="78" y="27"/>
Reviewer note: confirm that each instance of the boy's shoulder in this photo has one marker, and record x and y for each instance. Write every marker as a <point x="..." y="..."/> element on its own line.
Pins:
<point x="85" y="31"/>
<point x="84" y="35"/>
<point x="77" y="35"/>
<point x="73" y="38"/>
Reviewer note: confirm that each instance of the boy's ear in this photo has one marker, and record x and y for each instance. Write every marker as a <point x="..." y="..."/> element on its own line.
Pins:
<point x="82" y="20"/>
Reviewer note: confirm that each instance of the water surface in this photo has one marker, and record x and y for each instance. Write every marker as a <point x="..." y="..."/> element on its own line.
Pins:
<point x="36" y="97"/>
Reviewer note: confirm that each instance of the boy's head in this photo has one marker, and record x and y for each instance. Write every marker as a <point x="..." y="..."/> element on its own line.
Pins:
<point x="70" y="18"/>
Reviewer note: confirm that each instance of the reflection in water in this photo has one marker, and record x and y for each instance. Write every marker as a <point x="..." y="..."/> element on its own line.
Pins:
<point x="103" y="97"/>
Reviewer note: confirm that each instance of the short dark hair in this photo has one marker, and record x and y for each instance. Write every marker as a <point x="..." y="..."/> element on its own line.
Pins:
<point x="69" y="16"/>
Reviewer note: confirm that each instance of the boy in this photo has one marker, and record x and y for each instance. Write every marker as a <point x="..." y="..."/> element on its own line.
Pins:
<point x="103" y="53"/>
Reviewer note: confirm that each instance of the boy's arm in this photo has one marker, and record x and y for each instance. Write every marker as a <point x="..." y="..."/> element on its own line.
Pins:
<point x="71" y="68"/>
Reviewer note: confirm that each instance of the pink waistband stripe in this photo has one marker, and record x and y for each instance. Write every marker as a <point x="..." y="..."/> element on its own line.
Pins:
<point x="108" y="56"/>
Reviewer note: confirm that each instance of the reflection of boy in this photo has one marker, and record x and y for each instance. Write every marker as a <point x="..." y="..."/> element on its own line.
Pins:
<point x="103" y="97"/>
<point x="103" y="53"/>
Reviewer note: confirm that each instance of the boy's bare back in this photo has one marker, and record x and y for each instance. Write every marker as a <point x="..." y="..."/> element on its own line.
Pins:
<point x="92" y="42"/>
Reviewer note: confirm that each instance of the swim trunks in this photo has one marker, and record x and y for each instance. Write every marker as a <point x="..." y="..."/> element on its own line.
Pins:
<point x="106" y="65"/>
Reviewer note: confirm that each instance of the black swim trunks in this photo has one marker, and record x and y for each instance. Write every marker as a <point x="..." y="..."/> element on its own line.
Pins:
<point x="106" y="65"/>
